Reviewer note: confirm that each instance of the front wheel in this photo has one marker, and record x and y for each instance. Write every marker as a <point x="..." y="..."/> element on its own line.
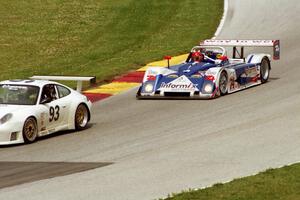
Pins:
<point x="138" y="94"/>
<point x="223" y="82"/>
<point x="30" y="130"/>
<point x="81" y="117"/>
<point x="264" y="70"/>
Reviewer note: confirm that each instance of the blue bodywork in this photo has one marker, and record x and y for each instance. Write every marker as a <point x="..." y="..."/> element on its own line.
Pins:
<point x="195" y="73"/>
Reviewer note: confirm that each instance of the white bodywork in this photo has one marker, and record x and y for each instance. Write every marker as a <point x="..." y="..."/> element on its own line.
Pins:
<point x="246" y="43"/>
<point x="256" y="58"/>
<point x="64" y="113"/>
<point x="230" y="65"/>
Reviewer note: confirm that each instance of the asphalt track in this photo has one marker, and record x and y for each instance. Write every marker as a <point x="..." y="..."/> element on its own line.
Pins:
<point x="160" y="147"/>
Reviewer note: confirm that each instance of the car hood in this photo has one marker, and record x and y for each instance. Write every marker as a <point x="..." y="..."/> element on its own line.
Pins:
<point x="189" y="69"/>
<point x="4" y="109"/>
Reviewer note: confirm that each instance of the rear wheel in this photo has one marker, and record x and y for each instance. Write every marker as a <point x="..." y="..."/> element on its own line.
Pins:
<point x="81" y="117"/>
<point x="264" y="70"/>
<point x="30" y="130"/>
<point x="223" y="82"/>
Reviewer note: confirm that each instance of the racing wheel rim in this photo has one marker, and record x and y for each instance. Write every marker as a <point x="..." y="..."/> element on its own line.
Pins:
<point x="81" y="116"/>
<point x="30" y="130"/>
<point x="223" y="83"/>
<point x="264" y="70"/>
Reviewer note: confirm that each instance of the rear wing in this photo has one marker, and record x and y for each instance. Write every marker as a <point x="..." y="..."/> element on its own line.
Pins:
<point x="245" y="43"/>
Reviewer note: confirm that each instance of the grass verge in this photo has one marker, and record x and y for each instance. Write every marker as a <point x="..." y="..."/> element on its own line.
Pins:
<point x="282" y="183"/>
<point x="98" y="37"/>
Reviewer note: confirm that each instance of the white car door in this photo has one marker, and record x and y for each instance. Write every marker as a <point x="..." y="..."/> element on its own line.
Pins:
<point x="64" y="100"/>
<point x="55" y="108"/>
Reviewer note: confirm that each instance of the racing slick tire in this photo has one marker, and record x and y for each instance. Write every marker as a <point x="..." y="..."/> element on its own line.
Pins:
<point x="81" y="117"/>
<point x="30" y="130"/>
<point x="264" y="70"/>
<point x="223" y="82"/>
<point x="138" y="94"/>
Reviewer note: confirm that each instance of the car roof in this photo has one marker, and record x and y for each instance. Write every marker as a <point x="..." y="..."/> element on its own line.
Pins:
<point x="39" y="83"/>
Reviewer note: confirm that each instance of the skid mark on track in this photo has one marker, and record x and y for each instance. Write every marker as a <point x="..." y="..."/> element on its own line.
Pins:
<point x="16" y="173"/>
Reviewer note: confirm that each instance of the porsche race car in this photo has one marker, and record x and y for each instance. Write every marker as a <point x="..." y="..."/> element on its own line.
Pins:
<point x="214" y="75"/>
<point x="33" y="108"/>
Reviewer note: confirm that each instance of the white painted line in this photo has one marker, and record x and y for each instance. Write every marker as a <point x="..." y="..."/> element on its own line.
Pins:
<point x="222" y="20"/>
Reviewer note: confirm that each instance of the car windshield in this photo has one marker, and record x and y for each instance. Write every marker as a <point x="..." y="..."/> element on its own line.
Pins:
<point x="18" y="94"/>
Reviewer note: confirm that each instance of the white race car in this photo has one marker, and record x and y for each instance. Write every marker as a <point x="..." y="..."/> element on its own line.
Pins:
<point x="33" y="108"/>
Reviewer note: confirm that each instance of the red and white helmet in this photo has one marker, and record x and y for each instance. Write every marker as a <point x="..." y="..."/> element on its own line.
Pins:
<point x="197" y="56"/>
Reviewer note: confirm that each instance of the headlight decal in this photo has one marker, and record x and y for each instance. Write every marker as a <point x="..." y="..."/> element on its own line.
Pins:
<point x="5" y="118"/>
<point x="148" y="87"/>
<point x="207" y="87"/>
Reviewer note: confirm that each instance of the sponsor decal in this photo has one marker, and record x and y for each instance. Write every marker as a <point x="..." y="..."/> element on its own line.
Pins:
<point x="233" y="85"/>
<point x="151" y="77"/>
<point x="255" y="78"/>
<point x="239" y="42"/>
<point x="196" y="76"/>
<point x="178" y="85"/>
<point x="51" y="130"/>
<point x="251" y="72"/>
<point x="276" y="53"/>
<point x="42" y="118"/>
<point x="173" y="76"/>
<point x="14" y="87"/>
<point x="43" y="131"/>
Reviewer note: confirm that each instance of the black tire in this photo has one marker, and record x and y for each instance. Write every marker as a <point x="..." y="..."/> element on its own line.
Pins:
<point x="223" y="82"/>
<point x="30" y="130"/>
<point x="265" y="68"/>
<point x="81" y="117"/>
<point x="138" y="94"/>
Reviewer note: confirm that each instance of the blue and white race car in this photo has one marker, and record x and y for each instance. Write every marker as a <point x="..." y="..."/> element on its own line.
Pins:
<point x="209" y="73"/>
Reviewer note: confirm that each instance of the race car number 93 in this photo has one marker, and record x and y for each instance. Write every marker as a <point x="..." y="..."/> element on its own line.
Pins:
<point x="54" y="113"/>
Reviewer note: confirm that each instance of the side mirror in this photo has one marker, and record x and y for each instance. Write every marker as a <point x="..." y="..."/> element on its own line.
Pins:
<point x="168" y="58"/>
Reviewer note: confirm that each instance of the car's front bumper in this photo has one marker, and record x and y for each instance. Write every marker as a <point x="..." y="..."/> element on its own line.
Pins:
<point x="176" y="96"/>
<point x="9" y="134"/>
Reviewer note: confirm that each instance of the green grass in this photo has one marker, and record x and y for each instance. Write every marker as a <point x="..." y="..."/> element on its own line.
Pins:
<point x="283" y="184"/>
<point x="98" y="37"/>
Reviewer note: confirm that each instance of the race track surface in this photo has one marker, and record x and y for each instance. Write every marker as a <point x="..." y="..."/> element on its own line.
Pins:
<point x="160" y="147"/>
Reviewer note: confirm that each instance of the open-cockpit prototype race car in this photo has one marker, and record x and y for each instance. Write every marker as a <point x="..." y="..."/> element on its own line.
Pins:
<point x="209" y="73"/>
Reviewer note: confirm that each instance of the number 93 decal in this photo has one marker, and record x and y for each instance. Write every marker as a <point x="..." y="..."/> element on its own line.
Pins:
<point x="54" y="113"/>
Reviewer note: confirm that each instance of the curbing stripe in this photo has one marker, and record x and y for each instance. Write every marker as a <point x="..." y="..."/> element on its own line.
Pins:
<point x="112" y="88"/>
<point x="128" y="81"/>
<point x="93" y="97"/>
<point x="135" y="77"/>
<point x="163" y="63"/>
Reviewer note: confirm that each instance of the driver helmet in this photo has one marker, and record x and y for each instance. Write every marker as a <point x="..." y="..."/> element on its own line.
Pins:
<point x="197" y="56"/>
<point x="49" y="91"/>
